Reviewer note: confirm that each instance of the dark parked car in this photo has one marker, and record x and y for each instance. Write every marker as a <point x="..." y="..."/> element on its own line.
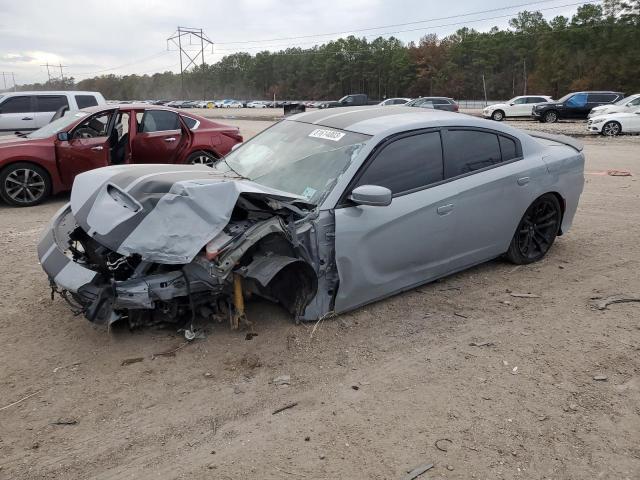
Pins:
<point x="353" y="100"/>
<point x="46" y="161"/>
<point x="437" y="103"/>
<point x="573" y="105"/>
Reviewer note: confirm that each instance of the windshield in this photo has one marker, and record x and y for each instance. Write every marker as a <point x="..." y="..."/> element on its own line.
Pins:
<point x="58" y="125"/>
<point x="296" y="157"/>
<point x="565" y="98"/>
<point x="626" y="100"/>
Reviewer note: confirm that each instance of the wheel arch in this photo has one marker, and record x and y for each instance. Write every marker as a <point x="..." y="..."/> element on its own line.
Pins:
<point x="563" y="206"/>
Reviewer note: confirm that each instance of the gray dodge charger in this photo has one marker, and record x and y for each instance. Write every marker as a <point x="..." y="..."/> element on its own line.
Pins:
<point x="322" y="213"/>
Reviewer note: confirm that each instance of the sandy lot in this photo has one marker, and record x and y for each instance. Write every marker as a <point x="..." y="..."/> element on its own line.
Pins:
<point x="379" y="391"/>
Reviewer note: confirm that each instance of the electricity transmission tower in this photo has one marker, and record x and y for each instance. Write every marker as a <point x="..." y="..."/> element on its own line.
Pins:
<point x="5" y="75"/>
<point x="48" y="65"/>
<point x="186" y="37"/>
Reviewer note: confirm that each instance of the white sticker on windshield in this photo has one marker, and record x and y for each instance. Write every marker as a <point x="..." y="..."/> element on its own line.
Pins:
<point x="327" y="134"/>
<point x="309" y="192"/>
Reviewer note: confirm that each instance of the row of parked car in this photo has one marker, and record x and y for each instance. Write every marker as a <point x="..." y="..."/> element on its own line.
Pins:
<point x="607" y="113"/>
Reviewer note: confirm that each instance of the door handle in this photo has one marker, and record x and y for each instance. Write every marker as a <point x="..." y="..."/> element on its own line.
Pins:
<point x="523" y="181"/>
<point x="444" y="209"/>
<point x="28" y="118"/>
<point x="170" y="139"/>
<point x="98" y="148"/>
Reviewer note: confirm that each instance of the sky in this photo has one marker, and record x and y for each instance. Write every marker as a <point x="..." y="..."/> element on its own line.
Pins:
<point x="119" y="37"/>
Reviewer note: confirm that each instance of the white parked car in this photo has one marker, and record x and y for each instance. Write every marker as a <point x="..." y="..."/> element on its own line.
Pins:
<point x="256" y="104"/>
<point x="232" y="104"/>
<point x="393" y="101"/>
<point x="612" y="124"/>
<point x="623" y="105"/>
<point x="25" y="111"/>
<point x="516" y="107"/>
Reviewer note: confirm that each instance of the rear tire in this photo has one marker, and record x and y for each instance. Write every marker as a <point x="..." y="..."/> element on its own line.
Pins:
<point x="202" y="158"/>
<point x="536" y="231"/>
<point x="550" y="117"/>
<point x="24" y="184"/>
<point x="498" y="115"/>
<point x="611" y="129"/>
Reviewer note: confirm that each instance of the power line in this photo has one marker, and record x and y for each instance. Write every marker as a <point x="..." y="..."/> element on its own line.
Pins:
<point x="429" y="27"/>
<point x="143" y="59"/>
<point x="395" y="25"/>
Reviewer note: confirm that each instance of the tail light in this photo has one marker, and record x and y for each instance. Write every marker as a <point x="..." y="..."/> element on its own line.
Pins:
<point x="233" y="134"/>
<point x="455" y="107"/>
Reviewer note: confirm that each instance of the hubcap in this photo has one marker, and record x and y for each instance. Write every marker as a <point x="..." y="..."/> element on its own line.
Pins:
<point x="204" y="160"/>
<point x="611" y="129"/>
<point x="538" y="229"/>
<point x="24" y="185"/>
<point x="497" y="116"/>
<point x="551" y="117"/>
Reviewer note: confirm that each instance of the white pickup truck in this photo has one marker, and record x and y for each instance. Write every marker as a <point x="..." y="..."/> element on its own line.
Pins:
<point x="24" y="111"/>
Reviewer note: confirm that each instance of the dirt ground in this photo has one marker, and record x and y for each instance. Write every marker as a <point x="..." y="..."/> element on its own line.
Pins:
<point x="458" y="373"/>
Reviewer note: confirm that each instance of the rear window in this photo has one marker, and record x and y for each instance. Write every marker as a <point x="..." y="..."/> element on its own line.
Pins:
<point x="20" y="104"/>
<point x="508" y="148"/>
<point x="469" y="150"/>
<point x="191" y="122"/>
<point x="602" y="97"/>
<point x="85" y="101"/>
<point x="50" y="103"/>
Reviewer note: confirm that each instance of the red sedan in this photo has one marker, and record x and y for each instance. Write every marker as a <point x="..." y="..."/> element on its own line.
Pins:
<point x="44" y="162"/>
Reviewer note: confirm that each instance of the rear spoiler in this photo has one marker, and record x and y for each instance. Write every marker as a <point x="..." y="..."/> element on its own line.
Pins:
<point x="564" y="139"/>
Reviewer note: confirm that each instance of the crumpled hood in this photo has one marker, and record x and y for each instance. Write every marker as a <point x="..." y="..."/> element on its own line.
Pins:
<point x="164" y="213"/>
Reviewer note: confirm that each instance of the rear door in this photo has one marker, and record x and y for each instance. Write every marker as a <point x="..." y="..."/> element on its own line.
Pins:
<point x="383" y="250"/>
<point x="87" y="147"/>
<point x="494" y="186"/>
<point x="159" y="139"/>
<point x="46" y="106"/>
<point x="16" y="114"/>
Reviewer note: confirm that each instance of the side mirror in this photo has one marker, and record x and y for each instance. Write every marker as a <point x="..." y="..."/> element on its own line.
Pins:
<point x="63" y="136"/>
<point x="373" y="195"/>
<point x="512" y="104"/>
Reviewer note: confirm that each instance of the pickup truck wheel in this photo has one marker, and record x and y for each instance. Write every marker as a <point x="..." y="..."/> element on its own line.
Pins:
<point x="24" y="184"/>
<point x="536" y="231"/>
<point x="498" y="115"/>
<point x="202" y="158"/>
<point x="611" y="129"/>
<point x="550" y="117"/>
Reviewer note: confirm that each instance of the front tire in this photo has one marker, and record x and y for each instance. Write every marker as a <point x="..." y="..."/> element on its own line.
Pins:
<point x="536" y="231"/>
<point x="202" y="158"/>
<point x="498" y="115"/>
<point x="611" y="129"/>
<point x="24" y="184"/>
<point x="550" y="117"/>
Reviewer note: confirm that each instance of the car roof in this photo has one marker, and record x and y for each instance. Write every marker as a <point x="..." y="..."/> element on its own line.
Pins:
<point x="131" y="106"/>
<point x="52" y="92"/>
<point x="373" y="120"/>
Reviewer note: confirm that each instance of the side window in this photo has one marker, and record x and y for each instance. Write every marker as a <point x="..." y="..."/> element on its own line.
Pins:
<point x="634" y="103"/>
<point x="93" y="127"/>
<point x="578" y="100"/>
<point x="191" y="122"/>
<point x="85" y="101"/>
<point x="469" y="150"/>
<point x="520" y="101"/>
<point x="159" y="121"/>
<point x="16" y="105"/>
<point x="535" y="100"/>
<point x="425" y="104"/>
<point x="50" y="103"/>
<point x="599" y="98"/>
<point x="407" y="163"/>
<point x="440" y="101"/>
<point x="508" y="149"/>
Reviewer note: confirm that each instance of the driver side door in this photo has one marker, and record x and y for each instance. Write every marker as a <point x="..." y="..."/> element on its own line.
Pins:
<point x="520" y="108"/>
<point x="87" y="147"/>
<point x="384" y="250"/>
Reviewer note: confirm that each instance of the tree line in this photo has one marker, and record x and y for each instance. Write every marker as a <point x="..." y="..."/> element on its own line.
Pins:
<point x="597" y="48"/>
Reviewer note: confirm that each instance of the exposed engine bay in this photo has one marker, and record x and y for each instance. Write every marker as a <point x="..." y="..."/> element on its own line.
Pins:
<point x="267" y="247"/>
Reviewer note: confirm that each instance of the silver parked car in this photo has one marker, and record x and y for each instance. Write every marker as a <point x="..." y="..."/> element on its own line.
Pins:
<point x="323" y="212"/>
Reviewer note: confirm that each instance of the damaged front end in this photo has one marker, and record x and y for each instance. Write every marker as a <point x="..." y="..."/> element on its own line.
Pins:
<point x="176" y="251"/>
